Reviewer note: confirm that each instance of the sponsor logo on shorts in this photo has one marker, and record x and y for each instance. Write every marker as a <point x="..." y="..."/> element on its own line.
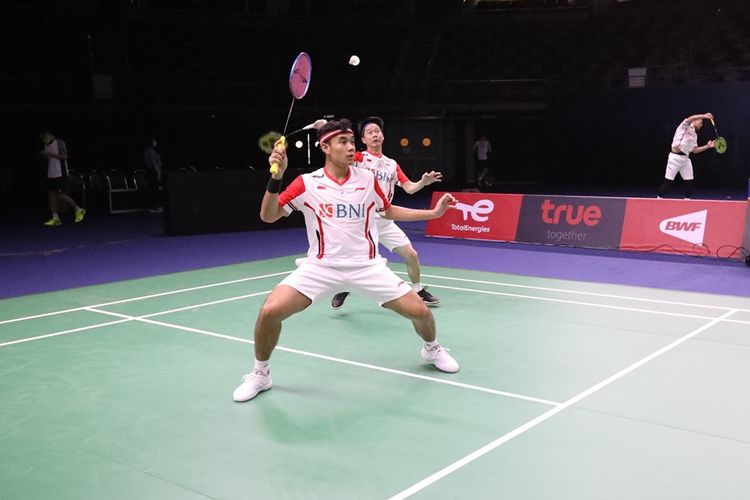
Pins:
<point x="688" y="227"/>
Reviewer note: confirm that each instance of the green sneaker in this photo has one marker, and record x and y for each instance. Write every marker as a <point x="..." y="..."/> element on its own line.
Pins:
<point x="53" y="222"/>
<point x="80" y="213"/>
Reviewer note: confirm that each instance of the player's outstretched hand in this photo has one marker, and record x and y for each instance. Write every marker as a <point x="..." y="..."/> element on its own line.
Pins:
<point x="711" y="144"/>
<point x="431" y="177"/>
<point x="446" y="201"/>
<point x="278" y="155"/>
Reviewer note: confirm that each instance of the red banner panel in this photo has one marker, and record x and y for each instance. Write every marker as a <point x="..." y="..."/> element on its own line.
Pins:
<point x="478" y="216"/>
<point x="695" y="227"/>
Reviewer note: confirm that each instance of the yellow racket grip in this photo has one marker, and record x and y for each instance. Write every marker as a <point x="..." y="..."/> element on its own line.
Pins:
<point x="275" y="166"/>
<point x="712" y="123"/>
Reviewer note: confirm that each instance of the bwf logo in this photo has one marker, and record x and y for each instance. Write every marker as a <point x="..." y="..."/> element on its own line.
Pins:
<point x="479" y="211"/>
<point x="689" y="227"/>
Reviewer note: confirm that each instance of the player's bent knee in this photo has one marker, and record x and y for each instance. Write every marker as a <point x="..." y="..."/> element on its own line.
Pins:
<point x="418" y="311"/>
<point x="270" y="311"/>
<point x="407" y="252"/>
<point x="425" y="314"/>
<point x="276" y="308"/>
<point x="410" y="306"/>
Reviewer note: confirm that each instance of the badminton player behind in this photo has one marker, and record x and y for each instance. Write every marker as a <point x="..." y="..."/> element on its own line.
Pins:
<point x="339" y="204"/>
<point x="389" y="174"/>
<point x="684" y="143"/>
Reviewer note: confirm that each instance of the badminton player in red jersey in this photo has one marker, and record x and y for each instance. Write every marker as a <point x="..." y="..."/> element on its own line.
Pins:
<point x="339" y="204"/>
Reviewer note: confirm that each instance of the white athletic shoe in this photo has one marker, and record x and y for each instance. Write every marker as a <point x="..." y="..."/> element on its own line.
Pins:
<point x="252" y="384"/>
<point x="439" y="357"/>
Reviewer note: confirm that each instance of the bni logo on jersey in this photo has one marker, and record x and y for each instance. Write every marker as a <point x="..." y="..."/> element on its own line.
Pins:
<point x="689" y="227"/>
<point x="342" y="210"/>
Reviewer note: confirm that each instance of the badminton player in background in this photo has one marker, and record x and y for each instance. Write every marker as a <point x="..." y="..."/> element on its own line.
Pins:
<point x="685" y="143"/>
<point x="389" y="174"/>
<point x="56" y="154"/>
<point x="339" y="204"/>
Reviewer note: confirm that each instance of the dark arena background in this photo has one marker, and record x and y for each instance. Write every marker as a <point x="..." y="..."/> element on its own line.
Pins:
<point x="547" y="82"/>
<point x="599" y="329"/>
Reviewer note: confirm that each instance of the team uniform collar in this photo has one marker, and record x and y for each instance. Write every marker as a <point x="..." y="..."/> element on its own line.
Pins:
<point x="343" y="181"/>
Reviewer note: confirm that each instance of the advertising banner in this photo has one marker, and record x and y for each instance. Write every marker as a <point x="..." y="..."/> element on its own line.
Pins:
<point x="478" y="216"/>
<point x="569" y="220"/>
<point x="694" y="227"/>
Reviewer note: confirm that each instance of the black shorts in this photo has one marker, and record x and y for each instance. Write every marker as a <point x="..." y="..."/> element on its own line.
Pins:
<point x="57" y="184"/>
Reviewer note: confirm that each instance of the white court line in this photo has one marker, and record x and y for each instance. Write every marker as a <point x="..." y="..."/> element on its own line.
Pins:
<point x="328" y="358"/>
<point x="580" y="292"/>
<point x="574" y="302"/>
<point x="142" y="297"/>
<point x="64" y="332"/>
<point x="496" y="283"/>
<point x="186" y="308"/>
<point x="740" y="321"/>
<point x="129" y="318"/>
<point x="552" y="412"/>
<point x="144" y="318"/>
<point x="222" y="283"/>
<point x="240" y="297"/>
<point x="506" y="294"/>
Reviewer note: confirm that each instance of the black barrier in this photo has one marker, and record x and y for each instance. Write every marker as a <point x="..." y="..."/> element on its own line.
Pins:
<point x="218" y="201"/>
<point x="574" y="221"/>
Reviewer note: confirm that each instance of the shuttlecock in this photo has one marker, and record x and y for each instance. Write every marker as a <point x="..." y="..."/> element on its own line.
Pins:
<point x="354" y="60"/>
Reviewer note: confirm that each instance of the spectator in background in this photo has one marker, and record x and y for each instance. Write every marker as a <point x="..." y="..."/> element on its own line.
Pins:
<point x="152" y="161"/>
<point x="483" y="148"/>
<point x="56" y="154"/>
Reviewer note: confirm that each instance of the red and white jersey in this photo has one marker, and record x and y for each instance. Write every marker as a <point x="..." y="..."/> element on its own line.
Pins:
<point x="339" y="217"/>
<point x="685" y="138"/>
<point x="386" y="170"/>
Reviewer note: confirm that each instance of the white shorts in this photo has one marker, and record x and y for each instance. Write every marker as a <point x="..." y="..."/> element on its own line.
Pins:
<point x="390" y="235"/>
<point x="375" y="281"/>
<point x="679" y="164"/>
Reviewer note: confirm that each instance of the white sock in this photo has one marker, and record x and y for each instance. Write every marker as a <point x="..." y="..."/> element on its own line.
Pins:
<point x="417" y="287"/>
<point x="431" y="345"/>
<point x="261" y="366"/>
<point x="56" y="216"/>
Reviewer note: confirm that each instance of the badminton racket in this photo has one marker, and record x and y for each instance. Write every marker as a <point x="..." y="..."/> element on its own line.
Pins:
<point x="299" y="82"/>
<point x="720" y="144"/>
<point x="267" y="140"/>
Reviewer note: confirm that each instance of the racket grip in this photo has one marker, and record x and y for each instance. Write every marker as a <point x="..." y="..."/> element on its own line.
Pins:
<point x="712" y="123"/>
<point x="275" y="166"/>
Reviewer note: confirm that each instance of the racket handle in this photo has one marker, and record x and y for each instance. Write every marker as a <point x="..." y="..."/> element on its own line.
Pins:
<point x="712" y="123"/>
<point x="275" y="166"/>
